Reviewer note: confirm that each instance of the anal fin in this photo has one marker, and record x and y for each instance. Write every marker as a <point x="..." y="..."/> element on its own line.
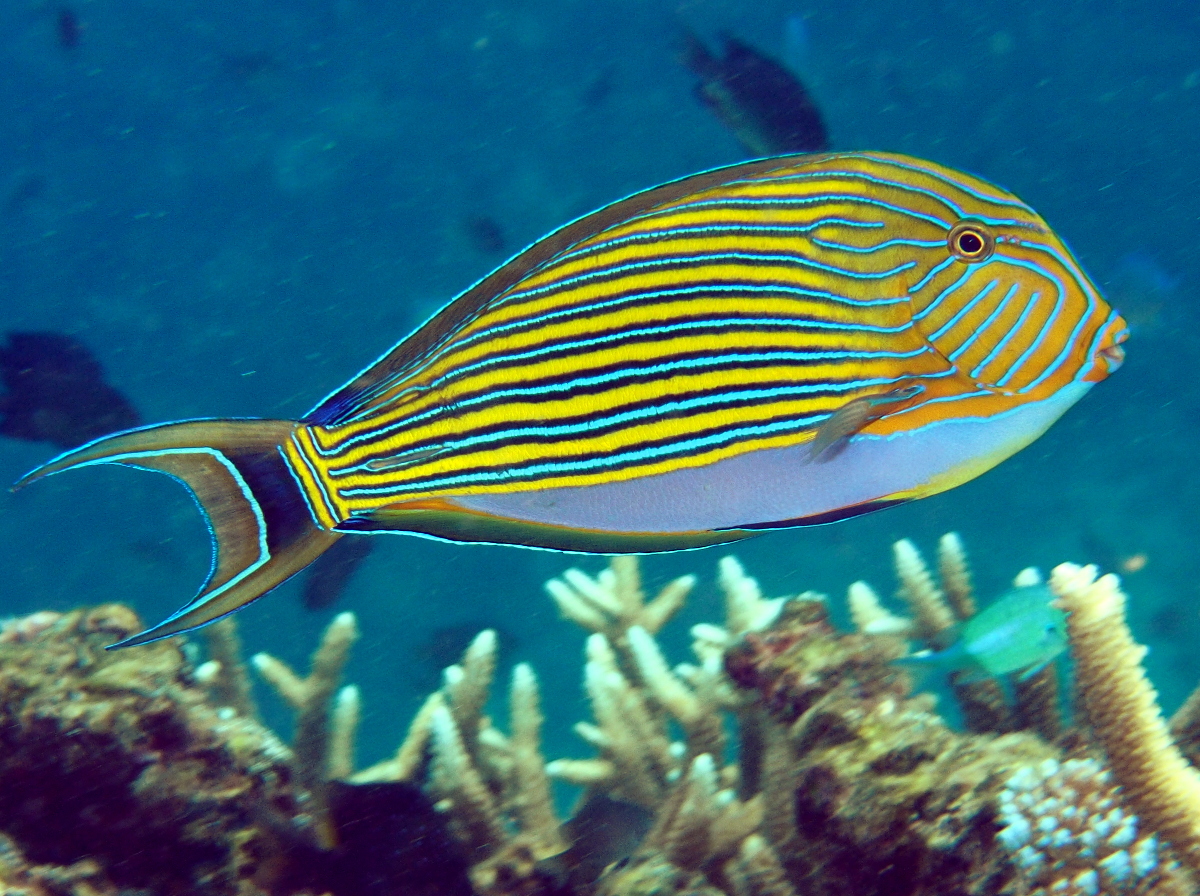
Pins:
<point x="442" y="518"/>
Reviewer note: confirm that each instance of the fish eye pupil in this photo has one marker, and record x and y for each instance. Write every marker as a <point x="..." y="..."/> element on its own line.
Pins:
<point x="969" y="243"/>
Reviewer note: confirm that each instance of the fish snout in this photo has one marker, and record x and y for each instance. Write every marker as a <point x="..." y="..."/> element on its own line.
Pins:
<point x="1110" y="353"/>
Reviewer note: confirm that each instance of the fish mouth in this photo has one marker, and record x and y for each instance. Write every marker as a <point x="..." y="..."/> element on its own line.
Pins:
<point x="1113" y="357"/>
<point x="1110" y="358"/>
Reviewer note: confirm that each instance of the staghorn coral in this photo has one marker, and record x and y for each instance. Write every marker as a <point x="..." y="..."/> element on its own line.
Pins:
<point x="1122" y="709"/>
<point x="788" y="759"/>
<point x="492" y="789"/>
<point x="319" y="749"/>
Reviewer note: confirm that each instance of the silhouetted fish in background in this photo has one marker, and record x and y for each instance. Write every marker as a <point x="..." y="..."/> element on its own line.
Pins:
<point x="601" y="831"/>
<point x="331" y="572"/>
<point x="24" y="190"/>
<point x="67" y="28"/>
<point x="765" y="105"/>
<point x="485" y="234"/>
<point x="55" y="392"/>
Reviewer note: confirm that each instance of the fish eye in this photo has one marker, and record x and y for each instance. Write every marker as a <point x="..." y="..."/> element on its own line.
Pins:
<point x="971" y="241"/>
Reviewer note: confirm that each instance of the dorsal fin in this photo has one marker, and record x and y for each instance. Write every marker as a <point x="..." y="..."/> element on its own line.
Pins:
<point x="405" y="357"/>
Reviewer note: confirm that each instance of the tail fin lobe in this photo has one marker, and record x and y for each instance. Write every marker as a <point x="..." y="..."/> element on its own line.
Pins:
<point x="262" y="530"/>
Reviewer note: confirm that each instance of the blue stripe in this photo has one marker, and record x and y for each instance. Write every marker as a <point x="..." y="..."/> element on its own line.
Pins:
<point x="1047" y="327"/>
<point x="325" y="496"/>
<point x="924" y="244"/>
<point x="1008" y="337"/>
<point x="691" y="292"/>
<point x="1002" y="201"/>
<point x="264" y="552"/>
<point x="607" y="339"/>
<point x="640" y="266"/>
<point x="732" y="228"/>
<point x="933" y="272"/>
<point x="921" y="315"/>
<point x="1077" y="331"/>
<point x="983" y="327"/>
<point x="1095" y="346"/>
<point x="569" y="430"/>
<point x="852" y="198"/>
<point x="963" y="311"/>
<point x="920" y="191"/>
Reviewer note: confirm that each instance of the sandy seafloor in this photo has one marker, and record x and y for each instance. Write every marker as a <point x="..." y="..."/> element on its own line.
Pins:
<point x="241" y="204"/>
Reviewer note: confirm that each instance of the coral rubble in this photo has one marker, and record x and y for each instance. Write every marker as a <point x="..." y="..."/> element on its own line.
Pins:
<point x="115" y="767"/>
<point x="788" y="758"/>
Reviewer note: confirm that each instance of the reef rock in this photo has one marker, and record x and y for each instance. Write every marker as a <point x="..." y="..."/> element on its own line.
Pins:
<point x="116" y="761"/>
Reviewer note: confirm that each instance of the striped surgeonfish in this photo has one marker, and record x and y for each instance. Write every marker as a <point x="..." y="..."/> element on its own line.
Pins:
<point x="782" y="342"/>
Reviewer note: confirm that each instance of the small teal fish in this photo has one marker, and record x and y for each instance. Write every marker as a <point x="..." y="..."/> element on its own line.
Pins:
<point x="1020" y="632"/>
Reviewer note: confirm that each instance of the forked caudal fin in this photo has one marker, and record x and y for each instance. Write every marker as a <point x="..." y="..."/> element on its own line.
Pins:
<point x="261" y="528"/>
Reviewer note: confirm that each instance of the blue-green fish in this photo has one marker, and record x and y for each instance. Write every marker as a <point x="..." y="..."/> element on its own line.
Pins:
<point x="1020" y="632"/>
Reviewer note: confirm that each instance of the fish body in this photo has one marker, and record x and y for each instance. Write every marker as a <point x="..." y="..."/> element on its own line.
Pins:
<point x="1021" y="632"/>
<point x="765" y="105"/>
<point x="653" y="376"/>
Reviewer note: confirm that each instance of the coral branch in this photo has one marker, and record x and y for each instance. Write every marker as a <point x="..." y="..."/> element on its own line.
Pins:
<point x="311" y="697"/>
<point x="467" y="685"/>
<point x="1121" y="706"/>
<point x="343" y="726"/>
<point x="925" y="600"/>
<point x="956" y="575"/>
<point x="473" y="813"/>
<point x="613" y="601"/>
<point x="532" y="803"/>
<point x="745" y="608"/>
<point x="230" y="686"/>
<point x="870" y="616"/>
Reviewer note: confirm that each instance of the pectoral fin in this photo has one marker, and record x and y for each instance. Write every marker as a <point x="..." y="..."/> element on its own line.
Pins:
<point x="834" y="434"/>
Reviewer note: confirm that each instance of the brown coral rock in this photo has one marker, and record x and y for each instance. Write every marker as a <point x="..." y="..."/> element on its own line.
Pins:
<point x="19" y="878"/>
<point x="868" y="791"/>
<point x="117" y="760"/>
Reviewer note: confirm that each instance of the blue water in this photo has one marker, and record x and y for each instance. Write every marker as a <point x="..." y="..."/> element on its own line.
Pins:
<point x="237" y="205"/>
